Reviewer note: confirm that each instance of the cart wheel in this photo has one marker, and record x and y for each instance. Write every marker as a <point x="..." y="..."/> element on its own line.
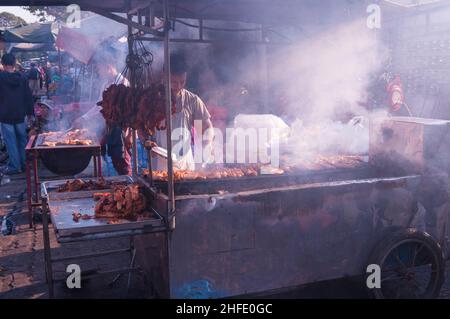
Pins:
<point x="412" y="266"/>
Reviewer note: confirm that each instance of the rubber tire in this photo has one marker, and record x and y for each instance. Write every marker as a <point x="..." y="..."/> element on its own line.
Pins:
<point x="393" y="240"/>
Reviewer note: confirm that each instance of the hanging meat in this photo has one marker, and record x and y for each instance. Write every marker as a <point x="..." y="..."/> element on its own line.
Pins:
<point x="143" y="110"/>
<point x="152" y="109"/>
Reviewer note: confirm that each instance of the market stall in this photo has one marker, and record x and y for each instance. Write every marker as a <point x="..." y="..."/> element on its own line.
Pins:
<point x="233" y="231"/>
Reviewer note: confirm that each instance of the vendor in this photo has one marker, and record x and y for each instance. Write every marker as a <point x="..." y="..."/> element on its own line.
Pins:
<point x="386" y="92"/>
<point x="189" y="108"/>
<point x="396" y="98"/>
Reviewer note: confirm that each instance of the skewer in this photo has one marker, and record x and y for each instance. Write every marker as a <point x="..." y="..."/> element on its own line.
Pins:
<point x="148" y="146"/>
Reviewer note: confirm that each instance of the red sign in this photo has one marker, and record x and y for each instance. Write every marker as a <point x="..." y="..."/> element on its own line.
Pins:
<point x="76" y="44"/>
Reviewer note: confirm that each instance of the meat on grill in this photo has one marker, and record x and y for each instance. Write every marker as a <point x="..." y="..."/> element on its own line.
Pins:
<point x="79" y="184"/>
<point x="180" y="175"/>
<point x="75" y="137"/>
<point x="143" y="110"/>
<point x="124" y="202"/>
<point x="320" y="162"/>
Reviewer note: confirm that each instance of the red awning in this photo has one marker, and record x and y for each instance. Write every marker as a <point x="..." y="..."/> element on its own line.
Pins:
<point x="77" y="45"/>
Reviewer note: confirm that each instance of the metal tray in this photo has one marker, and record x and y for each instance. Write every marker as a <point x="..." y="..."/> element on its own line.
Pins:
<point x="62" y="205"/>
<point x="40" y="139"/>
<point x="51" y="187"/>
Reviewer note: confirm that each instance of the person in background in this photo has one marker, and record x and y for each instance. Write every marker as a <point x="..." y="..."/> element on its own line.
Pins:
<point x="47" y="77"/>
<point x="396" y="98"/>
<point x="33" y="79"/>
<point x="41" y="76"/>
<point x="20" y="69"/>
<point x="16" y="104"/>
<point x="283" y="105"/>
<point x="385" y="92"/>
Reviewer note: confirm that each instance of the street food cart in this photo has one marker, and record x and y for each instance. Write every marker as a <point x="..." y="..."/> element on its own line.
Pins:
<point x="255" y="235"/>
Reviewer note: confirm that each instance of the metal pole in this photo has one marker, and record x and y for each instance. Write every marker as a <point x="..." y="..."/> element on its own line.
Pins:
<point x="234" y="42"/>
<point x="151" y="16"/>
<point x="264" y="71"/>
<point x="91" y="82"/>
<point x="47" y="248"/>
<point x="148" y="148"/>
<point x="132" y="80"/>
<point x="29" y="193"/>
<point x="139" y="13"/>
<point x="134" y="153"/>
<point x="170" y="194"/>
<point x="132" y="261"/>
<point x="60" y="65"/>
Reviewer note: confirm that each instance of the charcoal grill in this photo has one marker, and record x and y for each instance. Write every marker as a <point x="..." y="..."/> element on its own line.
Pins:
<point x="59" y="207"/>
<point x="65" y="160"/>
<point x="214" y="186"/>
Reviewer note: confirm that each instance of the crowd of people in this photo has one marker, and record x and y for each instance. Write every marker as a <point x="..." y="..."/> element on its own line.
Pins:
<point x="19" y="89"/>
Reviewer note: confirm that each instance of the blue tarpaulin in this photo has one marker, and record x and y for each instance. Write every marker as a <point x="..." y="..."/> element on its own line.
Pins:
<point x="32" y="33"/>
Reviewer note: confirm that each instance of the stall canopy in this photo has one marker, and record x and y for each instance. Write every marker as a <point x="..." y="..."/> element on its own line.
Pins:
<point x="33" y="47"/>
<point x="269" y="12"/>
<point x="93" y="31"/>
<point x="32" y="33"/>
<point x="255" y="11"/>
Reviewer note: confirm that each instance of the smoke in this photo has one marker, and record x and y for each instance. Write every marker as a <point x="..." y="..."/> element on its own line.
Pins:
<point x="323" y="78"/>
<point x="329" y="137"/>
<point x="327" y="76"/>
<point x="324" y="81"/>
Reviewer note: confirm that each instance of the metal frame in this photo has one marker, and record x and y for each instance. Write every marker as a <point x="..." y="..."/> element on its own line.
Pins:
<point x="32" y="155"/>
<point x="169" y="217"/>
<point x="49" y="261"/>
<point x="164" y="36"/>
<point x="170" y="199"/>
<point x="148" y="26"/>
<point x="97" y="233"/>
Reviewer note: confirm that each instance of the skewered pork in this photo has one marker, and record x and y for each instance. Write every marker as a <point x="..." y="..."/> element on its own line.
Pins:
<point x="139" y="109"/>
<point x="180" y="175"/>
